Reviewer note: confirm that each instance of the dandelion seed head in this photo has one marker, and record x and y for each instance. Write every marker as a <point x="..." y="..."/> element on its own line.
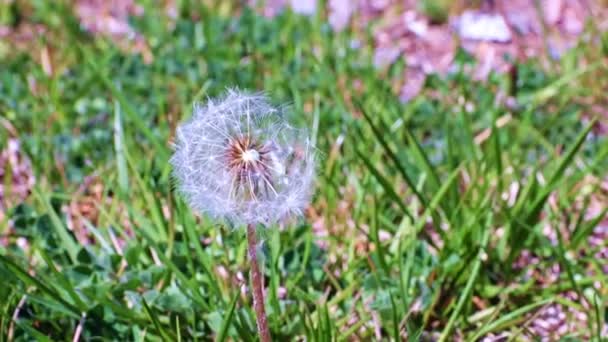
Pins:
<point x="238" y="159"/>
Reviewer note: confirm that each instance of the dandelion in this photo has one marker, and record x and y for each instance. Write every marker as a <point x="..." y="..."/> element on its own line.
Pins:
<point x="239" y="160"/>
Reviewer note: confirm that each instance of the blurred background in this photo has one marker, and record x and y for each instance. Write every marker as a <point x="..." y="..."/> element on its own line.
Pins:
<point x="462" y="189"/>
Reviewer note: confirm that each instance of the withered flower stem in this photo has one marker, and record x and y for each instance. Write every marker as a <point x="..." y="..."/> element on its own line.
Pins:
<point x="257" y="284"/>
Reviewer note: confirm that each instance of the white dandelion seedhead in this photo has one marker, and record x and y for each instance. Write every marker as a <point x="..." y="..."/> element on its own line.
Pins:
<point x="238" y="159"/>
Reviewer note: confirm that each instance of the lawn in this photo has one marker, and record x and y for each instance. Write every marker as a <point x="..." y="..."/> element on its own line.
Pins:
<point x="476" y="209"/>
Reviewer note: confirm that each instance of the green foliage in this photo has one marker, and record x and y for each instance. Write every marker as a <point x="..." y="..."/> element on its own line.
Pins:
<point x="412" y="209"/>
<point x="436" y="10"/>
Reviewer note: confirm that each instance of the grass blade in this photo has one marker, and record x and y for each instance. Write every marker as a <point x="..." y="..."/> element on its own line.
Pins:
<point x="119" y="147"/>
<point x="510" y="318"/>
<point x="227" y="320"/>
<point x="561" y="168"/>
<point x="392" y="156"/>
<point x="163" y="333"/>
<point x="468" y="289"/>
<point x="28" y="279"/>
<point x="385" y="183"/>
<point x="62" y="231"/>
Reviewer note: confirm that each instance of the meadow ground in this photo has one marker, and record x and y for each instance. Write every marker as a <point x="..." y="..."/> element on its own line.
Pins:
<point x="474" y="210"/>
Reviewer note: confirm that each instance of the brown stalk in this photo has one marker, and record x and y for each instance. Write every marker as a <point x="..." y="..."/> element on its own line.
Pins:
<point x="257" y="286"/>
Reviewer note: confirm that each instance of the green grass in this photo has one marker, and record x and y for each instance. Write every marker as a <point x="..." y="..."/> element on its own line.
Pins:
<point x="411" y="203"/>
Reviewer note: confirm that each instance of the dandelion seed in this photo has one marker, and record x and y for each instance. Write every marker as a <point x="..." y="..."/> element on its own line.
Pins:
<point x="238" y="159"/>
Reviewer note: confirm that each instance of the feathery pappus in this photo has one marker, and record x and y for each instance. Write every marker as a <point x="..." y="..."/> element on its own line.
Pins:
<point x="239" y="159"/>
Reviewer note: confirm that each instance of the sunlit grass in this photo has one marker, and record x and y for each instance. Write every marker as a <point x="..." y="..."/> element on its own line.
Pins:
<point x="421" y="210"/>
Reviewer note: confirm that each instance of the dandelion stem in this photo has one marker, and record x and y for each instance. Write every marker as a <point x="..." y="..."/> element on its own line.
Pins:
<point x="257" y="285"/>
